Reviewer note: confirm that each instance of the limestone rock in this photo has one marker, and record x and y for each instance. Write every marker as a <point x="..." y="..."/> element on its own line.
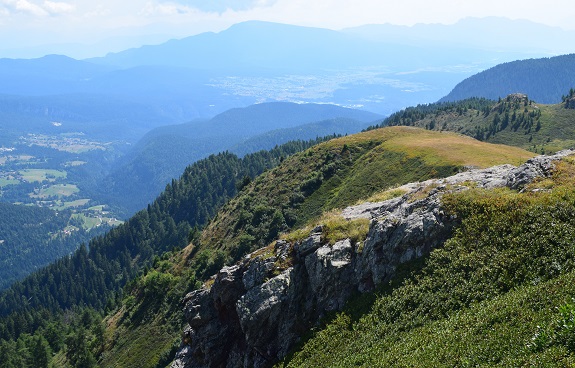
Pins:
<point x="539" y="166"/>
<point x="256" y="311"/>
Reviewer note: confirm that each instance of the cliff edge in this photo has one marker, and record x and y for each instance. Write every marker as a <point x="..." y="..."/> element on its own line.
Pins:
<point x="254" y="312"/>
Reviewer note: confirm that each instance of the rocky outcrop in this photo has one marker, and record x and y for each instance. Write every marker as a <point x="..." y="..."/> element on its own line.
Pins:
<point x="256" y="311"/>
<point x="570" y="102"/>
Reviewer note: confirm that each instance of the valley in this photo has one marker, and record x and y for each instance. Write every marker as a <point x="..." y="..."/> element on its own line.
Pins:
<point x="45" y="178"/>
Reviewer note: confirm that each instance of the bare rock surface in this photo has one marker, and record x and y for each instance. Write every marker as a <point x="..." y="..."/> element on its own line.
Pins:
<point x="257" y="310"/>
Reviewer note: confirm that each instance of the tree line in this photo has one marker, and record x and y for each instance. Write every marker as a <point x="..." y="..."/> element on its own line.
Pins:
<point x="95" y="274"/>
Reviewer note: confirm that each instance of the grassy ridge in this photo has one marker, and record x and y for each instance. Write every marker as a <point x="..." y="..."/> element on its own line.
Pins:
<point x="515" y="121"/>
<point x="339" y="173"/>
<point x="497" y="294"/>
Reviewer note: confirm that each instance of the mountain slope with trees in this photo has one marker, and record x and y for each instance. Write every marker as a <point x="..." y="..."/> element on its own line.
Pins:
<point x="150" y="300"/>
<point x="264" y="210"/>
<point x="545" y="80"/>
<point x="91" y="280"/>
<point x="32" y="237"/>
<point x="514" y="120"/>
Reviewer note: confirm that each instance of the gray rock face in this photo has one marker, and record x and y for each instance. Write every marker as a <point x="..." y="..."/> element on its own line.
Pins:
<point x="256" y="311"/>
<point x="539" y="166"/>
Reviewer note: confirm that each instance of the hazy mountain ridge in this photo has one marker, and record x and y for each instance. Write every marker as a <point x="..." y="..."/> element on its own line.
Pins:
<point x="470" y="32"/>
<point x="336" y="126"/>
<point x="165" y="152"/>
<point x="258" y="61"/>
<point x="286" y="42"/>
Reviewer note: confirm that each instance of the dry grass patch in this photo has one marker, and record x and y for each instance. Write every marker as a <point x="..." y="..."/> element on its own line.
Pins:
<point x="384" y="195"/>
<point x="461" y="150"/>
<point x="334" y="228"/>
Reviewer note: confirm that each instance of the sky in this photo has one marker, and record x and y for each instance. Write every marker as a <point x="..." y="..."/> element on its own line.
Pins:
<point x="32" y="27"/>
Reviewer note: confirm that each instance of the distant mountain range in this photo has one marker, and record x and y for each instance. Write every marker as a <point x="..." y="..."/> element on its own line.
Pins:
<point x="282" y="47"/>
<point x="200" y="76"/>
<point x="489" y="33"/>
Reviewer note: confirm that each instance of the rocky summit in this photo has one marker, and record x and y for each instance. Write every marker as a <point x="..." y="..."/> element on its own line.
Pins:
<point x="253" y="313"/>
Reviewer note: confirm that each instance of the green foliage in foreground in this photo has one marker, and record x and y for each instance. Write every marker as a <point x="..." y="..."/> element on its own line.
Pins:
<point x="81" y="331"/>
<point x="497" y="294"/>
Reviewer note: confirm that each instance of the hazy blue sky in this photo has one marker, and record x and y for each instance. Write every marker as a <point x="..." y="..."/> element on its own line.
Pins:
<point x="25" y="23"/>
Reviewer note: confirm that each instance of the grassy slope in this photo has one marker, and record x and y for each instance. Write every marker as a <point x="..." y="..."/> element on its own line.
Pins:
<point x="145" y="332"/>
<point x="499" y="293"/>
<point x="370" y="161"/>
<point x="555" y="131"/>
<point x="340" y="172"/>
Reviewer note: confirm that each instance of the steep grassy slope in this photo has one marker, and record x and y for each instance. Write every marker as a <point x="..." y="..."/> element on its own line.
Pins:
<point x="144" y="331"/>
<point x="499" y="293"/>
<point x="340" y="172"/>
<point x="514" y="120"/>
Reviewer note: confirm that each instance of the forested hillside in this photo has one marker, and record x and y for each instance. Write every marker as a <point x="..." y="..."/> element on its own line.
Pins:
<point x="544" y="80"/>
<point x="95" y="274"/>
<point x="32" y="237"/>
<point x="290" y="196"/>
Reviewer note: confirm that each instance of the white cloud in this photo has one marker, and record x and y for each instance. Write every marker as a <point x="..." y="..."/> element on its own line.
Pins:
<point x="58" y="7"/>
<point x="221" y="6"/>
<point x="24" y="6"/>
<point x="27" y="7"/>
<point x="166" y="9"/>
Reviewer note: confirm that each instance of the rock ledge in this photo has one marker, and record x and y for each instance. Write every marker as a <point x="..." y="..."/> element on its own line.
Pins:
<point x="256" y="310"/>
